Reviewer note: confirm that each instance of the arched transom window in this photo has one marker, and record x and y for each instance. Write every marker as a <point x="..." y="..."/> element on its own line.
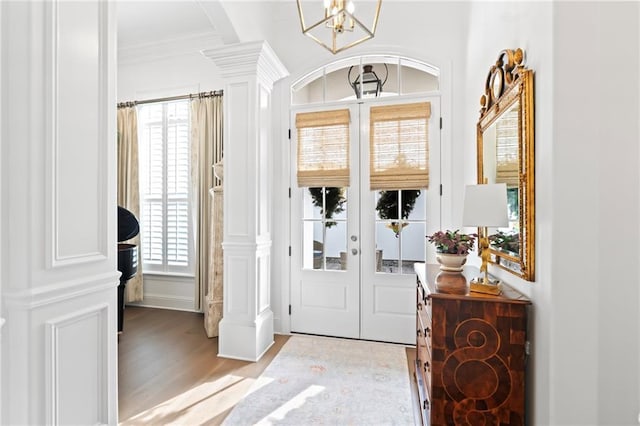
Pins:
<point x="353" y="78"/>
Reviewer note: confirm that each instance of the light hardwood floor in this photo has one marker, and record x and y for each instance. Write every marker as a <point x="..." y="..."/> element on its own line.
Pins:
<point x="169" y="372"/>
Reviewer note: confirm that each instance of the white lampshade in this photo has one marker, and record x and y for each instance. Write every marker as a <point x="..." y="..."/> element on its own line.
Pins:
<point x="485" y="205"/>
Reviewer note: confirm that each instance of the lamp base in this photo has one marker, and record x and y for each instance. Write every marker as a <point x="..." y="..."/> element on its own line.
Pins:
<point x="478" y="286"/>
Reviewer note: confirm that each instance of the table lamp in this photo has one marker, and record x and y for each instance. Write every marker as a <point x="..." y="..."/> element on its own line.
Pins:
<point x="485" y="206"/>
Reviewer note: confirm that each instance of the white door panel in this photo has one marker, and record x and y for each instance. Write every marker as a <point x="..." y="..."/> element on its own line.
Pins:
<point x="386" y="309"/>
<point x="325" y="293"/>
<point x="388" y="295"/>
<point x="322" y="305"/>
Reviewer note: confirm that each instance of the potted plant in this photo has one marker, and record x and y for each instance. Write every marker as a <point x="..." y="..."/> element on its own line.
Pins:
<point x="509" y="242"/>
<point x="387" y="207"/>
<point x="452" y="248"/>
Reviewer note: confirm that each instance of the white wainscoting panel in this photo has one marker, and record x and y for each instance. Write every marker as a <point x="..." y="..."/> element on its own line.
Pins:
<point x="77" y="368"/>
<point x="79" y="137"/>
<point x="264" y="126"/>
<point x="168" y="292"/>
<point x="238" y="273"/>
<point x="264" y="290"/>
<point x="238" y="148"/>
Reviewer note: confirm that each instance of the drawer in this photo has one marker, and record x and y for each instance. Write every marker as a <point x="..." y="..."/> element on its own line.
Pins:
<point x="420" y="295"/>
<point x="424" y="308"/>
<point x="424" y="357"/>
<point x="423" y="350"/>
<point x="424" y="330"/>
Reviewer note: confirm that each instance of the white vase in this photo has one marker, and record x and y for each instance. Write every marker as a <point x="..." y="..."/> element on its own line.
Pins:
<point x="451" y="262"/>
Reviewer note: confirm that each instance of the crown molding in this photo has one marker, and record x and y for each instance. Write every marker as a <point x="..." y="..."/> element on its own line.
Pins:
<point x="248" y="59"/>
<point x="163" y="49"/>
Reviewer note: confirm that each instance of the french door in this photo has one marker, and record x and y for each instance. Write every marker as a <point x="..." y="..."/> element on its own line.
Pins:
<point x="353" y="248"/>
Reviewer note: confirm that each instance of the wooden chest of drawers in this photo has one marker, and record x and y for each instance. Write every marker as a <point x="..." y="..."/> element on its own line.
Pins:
<point x="470" y="351"/>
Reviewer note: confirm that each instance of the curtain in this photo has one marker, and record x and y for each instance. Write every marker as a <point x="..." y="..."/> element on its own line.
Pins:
<point x="323" y="148"/>
<point x="128" y="184"/>
<point x="399" y="141"/>
<point x="206" y="150"/>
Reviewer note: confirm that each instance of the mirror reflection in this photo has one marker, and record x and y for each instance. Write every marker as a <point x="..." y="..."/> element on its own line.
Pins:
<point x="506" y="155"/>
<point x="500" y="158"/>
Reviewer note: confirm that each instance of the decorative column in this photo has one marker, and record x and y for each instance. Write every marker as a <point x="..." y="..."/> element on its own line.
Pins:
<point x="249" y="71"/>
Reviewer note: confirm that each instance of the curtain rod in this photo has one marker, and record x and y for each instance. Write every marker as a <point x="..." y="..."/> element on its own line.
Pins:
<point x="171" y="98"/>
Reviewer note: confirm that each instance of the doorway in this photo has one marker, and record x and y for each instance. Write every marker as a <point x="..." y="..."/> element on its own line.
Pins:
<point x="356" y="232"/>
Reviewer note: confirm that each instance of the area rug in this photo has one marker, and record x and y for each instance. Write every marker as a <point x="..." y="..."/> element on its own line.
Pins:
<point x="330" y="381"/>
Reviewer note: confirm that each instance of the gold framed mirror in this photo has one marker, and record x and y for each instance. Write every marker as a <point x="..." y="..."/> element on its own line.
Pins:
<point x="506" y="155"/>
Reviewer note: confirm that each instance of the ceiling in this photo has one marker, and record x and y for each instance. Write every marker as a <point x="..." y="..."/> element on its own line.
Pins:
<point x="147" y="22"/>
<point x="142" y="22"/>
<point x="152" y="29"/>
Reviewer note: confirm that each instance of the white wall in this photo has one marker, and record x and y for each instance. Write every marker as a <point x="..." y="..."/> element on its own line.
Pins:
<point x="58" y="198"/>
<point x="595" y="207"/>
<point x="172" y="74"/>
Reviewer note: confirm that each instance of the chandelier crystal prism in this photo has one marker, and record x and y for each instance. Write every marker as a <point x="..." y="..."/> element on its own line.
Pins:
<point x="335" y="25"/>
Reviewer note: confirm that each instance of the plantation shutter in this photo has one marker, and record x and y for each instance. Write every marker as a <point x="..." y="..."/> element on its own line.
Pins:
<point x="152" y="184"/>
<point x="323" y="148"/>
<point x="178" y="172"/>
<point x="399" y="140"/>
<point x="507" y="149"/>
<point x="165" y="161"/>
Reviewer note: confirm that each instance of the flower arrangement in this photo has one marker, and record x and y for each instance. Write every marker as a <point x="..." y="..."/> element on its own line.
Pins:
<point x="506" y="241"/>
<point x="452" y="242"/>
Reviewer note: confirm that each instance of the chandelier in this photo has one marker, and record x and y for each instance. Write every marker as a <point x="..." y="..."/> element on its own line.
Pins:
<point x="335" y="26"/>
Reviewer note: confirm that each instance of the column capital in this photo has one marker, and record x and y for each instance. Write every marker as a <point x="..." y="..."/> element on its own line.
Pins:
<point x="253" y="59"/>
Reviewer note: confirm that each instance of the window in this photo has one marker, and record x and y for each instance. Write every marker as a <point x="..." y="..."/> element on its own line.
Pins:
<point x="165" y="206"/>
<point x="399" y="172"/>
<point x="400" y="76"/>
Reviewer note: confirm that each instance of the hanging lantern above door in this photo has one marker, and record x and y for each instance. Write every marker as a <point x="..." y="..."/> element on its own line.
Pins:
<point x="367" y="84"/>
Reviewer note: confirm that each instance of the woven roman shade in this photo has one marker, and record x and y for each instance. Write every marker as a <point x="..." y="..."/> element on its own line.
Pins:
<point x="323" y="148"/>
<point x="399" y="138"/>
<point x="507" y="149"/>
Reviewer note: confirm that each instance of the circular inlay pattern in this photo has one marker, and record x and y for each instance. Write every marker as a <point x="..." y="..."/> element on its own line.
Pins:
<point x="474" y="375"/>
<point x="476" y="339"/>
